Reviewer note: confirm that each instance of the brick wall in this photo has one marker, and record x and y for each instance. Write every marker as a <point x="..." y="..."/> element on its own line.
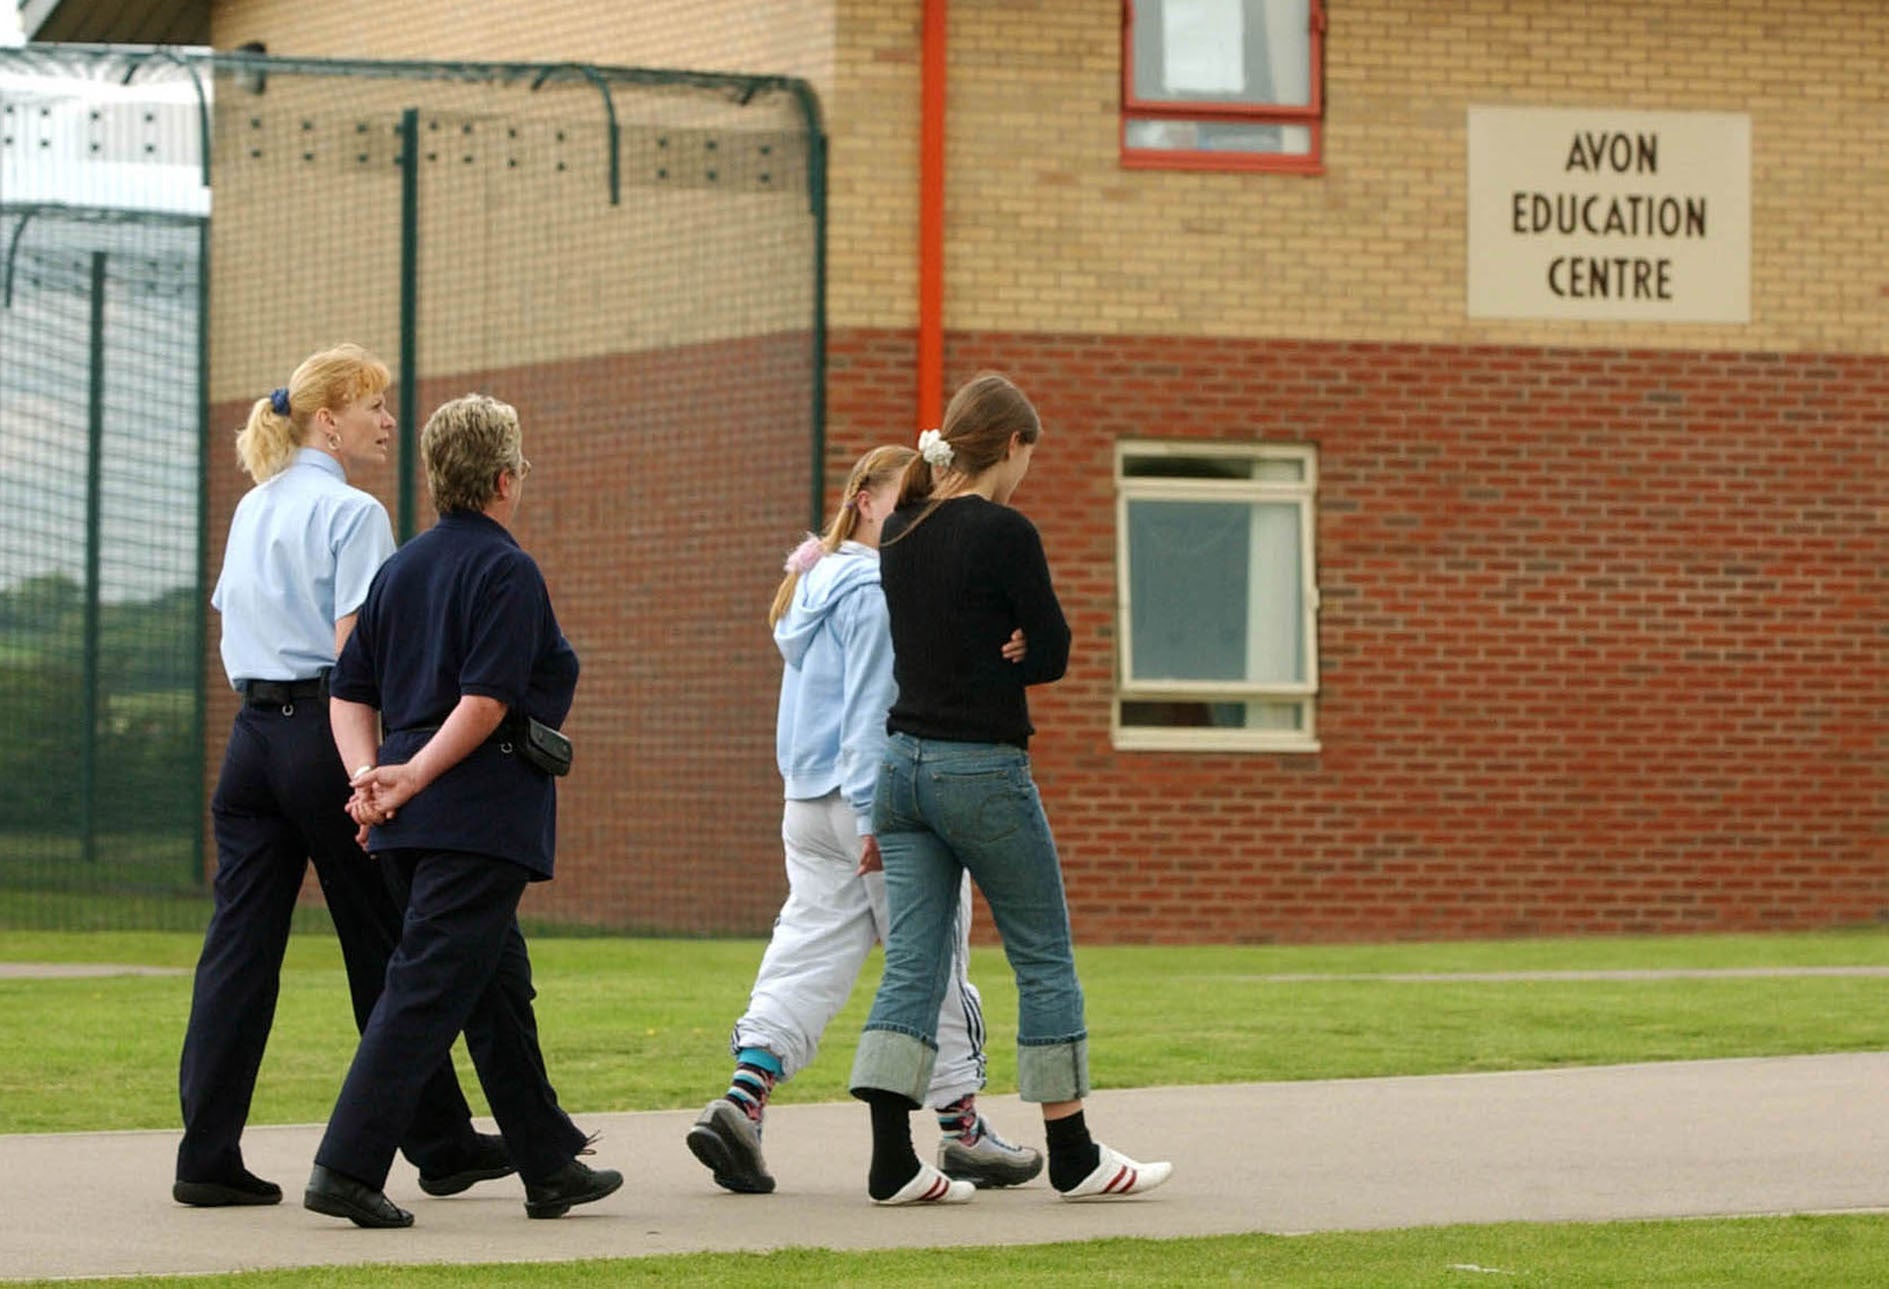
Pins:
<point x="1046" y="232"/>
<point x="663" y="494"/>
<point x="522" y="256"/>
<point x="1602" y="628"/>
<point x="772" y="37"/>
<point x="1601" y="640"/>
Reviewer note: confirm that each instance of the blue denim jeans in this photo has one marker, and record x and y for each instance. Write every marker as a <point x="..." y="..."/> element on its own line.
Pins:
<point x="939" y="809"/>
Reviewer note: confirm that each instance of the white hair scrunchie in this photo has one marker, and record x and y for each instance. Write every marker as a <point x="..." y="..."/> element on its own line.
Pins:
<point x="932" y="446"/>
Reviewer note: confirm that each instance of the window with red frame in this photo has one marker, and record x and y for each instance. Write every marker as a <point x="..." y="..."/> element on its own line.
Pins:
<point x="1223" y="84"/>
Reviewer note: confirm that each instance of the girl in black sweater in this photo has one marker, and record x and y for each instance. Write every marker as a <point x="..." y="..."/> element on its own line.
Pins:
<point x="974" y="621"/>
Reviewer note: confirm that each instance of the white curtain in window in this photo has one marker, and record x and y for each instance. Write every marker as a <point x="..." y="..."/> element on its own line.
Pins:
<point x="1234" y="51"/>
<point x="1287" y="25"/>
<point x="1203" y="45"/>
<point x="1274" y="619"/>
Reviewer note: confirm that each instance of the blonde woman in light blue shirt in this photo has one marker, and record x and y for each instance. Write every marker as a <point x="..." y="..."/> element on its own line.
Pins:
<point x="302" y="548"/>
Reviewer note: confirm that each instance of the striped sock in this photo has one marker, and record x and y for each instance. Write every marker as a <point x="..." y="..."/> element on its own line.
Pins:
<point x="756" y="1071"/>
<point x="959" y="1119"/>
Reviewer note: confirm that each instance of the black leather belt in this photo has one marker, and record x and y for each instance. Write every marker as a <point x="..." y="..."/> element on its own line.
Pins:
<point x="280" y="693"/>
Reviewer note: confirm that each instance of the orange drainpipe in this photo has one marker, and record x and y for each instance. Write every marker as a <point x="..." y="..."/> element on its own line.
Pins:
<point x="931" y="195"/>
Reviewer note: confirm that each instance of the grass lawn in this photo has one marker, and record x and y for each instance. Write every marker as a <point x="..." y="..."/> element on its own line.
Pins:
<point x="643" y="1024"/>
<point x="1776" y="1253"/>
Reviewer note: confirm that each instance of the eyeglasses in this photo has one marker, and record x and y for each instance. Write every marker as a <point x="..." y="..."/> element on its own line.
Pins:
<point x="524" y="469"/>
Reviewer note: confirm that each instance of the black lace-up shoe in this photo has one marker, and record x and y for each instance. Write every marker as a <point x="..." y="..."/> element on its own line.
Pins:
<point x="228" y="1192"/>
<point x="339" y="1196"/>
<point x="575" y="1183"/>
<point x="486" y="1160"/>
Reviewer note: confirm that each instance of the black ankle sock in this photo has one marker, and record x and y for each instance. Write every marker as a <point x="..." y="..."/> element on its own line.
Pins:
<point x="894" y="1162"/>
<point x="1072" y="1154"/>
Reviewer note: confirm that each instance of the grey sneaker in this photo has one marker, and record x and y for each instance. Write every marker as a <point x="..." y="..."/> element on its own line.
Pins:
<point x="729" y="1144"/>
<point x="989" y="1160"/>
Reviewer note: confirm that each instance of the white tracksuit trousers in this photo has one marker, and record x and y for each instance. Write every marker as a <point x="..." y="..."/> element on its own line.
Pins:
<point x="829" y="924"/>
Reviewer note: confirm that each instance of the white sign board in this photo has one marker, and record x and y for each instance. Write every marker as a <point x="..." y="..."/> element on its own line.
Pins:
<point x="1593" y="213"/>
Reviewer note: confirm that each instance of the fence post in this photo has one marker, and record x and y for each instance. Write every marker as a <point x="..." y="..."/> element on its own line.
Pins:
<point x="200" y="644"/>
<point x="810" y="116"/>
<point x="409" y="310"/>
<point x="94" y="479"/>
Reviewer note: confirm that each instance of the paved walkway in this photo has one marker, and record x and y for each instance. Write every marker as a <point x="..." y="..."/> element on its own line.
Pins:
<point x="1775" y="1135"/>
<point x="81" y="970"/>
<point x="1529" y="977"/>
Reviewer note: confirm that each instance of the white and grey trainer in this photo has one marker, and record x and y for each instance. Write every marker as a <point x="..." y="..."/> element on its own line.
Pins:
<point x="987" y="1160"/>
<point x="729" y="1144"/>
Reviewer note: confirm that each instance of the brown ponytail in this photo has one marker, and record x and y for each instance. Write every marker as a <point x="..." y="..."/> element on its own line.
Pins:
<point x="978" y="424"/>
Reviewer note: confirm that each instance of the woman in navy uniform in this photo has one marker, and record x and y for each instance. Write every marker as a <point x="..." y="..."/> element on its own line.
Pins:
<point x="455" y="647"/>
<point x="303" y="546"/>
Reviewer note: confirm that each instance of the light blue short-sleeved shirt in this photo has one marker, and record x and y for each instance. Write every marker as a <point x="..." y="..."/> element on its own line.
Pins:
<point x="303" y="547"/>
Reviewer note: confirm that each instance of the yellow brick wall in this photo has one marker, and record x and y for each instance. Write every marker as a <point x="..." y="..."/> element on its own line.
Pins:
<point x="772" y="37"/>
<point x="1046" y="231"/>
<point x="523" y="259"/>
<point x="872" y="121"/>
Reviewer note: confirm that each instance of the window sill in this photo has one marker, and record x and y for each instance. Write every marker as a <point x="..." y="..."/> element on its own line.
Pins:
<point x="1223" y="162"/>
<point x="1198" y="740"/>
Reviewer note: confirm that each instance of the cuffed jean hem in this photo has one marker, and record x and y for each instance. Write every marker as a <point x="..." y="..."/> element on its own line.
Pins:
<point x="890" y="1060"/>
<point x="1053" y="1071"/>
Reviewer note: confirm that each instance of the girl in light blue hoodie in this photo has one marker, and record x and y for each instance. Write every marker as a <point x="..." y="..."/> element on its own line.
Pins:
<point x="830" y="624"/>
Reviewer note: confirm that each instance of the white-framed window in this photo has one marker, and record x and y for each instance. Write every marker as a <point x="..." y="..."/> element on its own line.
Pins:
<point x="1217" y="596"/>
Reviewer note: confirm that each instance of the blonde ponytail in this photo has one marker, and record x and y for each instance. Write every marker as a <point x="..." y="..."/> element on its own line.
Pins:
<point x="278" y="424"/>
<point x="876" y="468"/>
<point x="805" y="556"/>
<point x="267" y="444"/>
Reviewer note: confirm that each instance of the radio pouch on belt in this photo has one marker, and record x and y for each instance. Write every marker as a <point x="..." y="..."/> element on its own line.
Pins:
<point x="545" y="748"/>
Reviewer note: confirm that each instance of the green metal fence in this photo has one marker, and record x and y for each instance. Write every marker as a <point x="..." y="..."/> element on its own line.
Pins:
<point x="633" y="257"/>
<point x="99" y="556"/>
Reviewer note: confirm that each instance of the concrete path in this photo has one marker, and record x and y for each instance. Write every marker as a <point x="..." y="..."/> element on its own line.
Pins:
<point x="81" y="970"/>
<point x="1777" y="1135"/>
<point x="1529" y="977"/>
<point x="84" y="970"/>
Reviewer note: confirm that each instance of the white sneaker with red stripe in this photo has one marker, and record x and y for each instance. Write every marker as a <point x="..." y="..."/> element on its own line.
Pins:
<point x="930" y="1187"/>
<point x="1118" y="1175"/>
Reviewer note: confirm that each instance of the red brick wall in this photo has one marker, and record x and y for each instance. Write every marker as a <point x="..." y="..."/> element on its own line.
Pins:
<point x="1602" y="638"/>
<point x="666" y="488"/>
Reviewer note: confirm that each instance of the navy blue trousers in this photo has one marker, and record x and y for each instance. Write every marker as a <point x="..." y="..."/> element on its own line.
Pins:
<point x="461" y="965"/>
<point x="278" y="804"/>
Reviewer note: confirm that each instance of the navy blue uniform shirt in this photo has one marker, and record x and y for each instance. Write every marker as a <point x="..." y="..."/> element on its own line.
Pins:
<point x="462" y="609"/>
